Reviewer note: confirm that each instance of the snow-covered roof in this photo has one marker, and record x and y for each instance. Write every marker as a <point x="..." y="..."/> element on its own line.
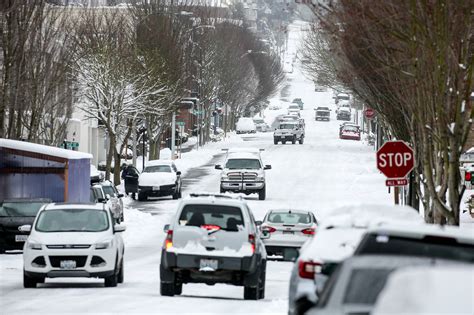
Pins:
<point x="43" y="149"/>
<point x="159" y="162"/>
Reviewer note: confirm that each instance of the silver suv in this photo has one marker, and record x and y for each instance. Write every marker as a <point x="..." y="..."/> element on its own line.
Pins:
<point x="243" y="172"/>
<point x="289" y="131"/>
<point x="213" y="239"/>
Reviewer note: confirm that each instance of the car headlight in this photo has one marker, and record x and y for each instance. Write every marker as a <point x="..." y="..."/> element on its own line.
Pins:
<point x="260" y="179"/>
<point x="103" y="245"/>
<point x="34" y="245"/>
<point x="224" y="177"/>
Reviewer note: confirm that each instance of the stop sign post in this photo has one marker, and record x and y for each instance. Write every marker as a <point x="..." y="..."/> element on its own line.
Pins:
<point x="395" y="160"/>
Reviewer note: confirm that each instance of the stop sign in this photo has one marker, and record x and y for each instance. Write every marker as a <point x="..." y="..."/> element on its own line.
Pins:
<point x="369" y="113"/>
<point x="395" y="159"/>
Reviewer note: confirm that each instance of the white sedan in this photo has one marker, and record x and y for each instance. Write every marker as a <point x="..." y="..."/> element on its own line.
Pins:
<point x="159" y="178"/>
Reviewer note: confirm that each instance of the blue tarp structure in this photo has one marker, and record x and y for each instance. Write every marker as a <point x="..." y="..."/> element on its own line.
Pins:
<point x="30" y="170"/>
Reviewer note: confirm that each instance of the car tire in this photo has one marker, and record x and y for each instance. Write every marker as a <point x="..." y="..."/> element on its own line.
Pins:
<point x="111" y="281"/>
<point x="263" y="275"/>
<point x="262" y="194"/>
<point x="178" y="288"/>
<point x="283" y="142"/>
<point x="29" y="282"/>
<point x="121" y="274"/>
<point x="275" y="141"/>
<point x="167" y="288"/>
<point x="142" y="197"/>
<point x="175" y="195"/>
<point x="293" y="141"/>
<point x="251" y="293"/>
<point x="222" y="191"/>
<point x="2" y="251"/>
<point x="301" y="140"/>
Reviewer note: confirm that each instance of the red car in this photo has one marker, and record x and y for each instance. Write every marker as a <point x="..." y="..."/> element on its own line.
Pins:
<point x="350" y="132"/>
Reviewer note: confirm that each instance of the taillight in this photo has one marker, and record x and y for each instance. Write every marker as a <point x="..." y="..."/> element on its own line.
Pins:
<point x="211" y="227"/>
<point x="252" y="242"/>
<point x="169" y="239"/>
<point x="468" y="176"/>
<point x="307" y="269"/>
<point x="309" y="231"/>
<point x="269" y="229"/>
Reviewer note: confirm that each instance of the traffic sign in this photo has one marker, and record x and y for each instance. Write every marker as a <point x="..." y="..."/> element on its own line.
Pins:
<point x="396" y="182"/>
<point x="180" y="123"/>
<point x="369" y="113"/>
<point x="395" y="159"/>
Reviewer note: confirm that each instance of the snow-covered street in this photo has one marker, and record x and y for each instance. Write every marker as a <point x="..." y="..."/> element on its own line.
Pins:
<point x="320" y="175"/>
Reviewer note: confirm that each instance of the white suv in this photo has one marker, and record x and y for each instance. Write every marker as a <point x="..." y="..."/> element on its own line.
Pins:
<point x="73" y="240"/>
<point x="213" y="239"/>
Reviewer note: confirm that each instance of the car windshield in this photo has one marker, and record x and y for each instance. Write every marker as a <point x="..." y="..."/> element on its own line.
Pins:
<point x="251" y="164"/>
<point x="287" y="126"/>
<point x="343" y="97"/>
<point x="351" y="128"/>
<point x="443" y="248"/>
<point x="109" y="190"/>
<point x="20" y="209"/>
<point x="322" y="112"/>
<point x="225" y="217"/>
<point x="72" y="220"/>
<point x="157" y="169"/>
<point x="365" y="285"/>
<point x="258" y="121"/>
<point x="289" y="218"/>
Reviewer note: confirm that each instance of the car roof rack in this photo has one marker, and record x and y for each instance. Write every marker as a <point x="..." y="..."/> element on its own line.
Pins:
<point x="214" y="195"/>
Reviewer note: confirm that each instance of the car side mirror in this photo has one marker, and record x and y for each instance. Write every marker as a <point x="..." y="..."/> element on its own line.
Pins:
<point x="25" y="228"/>
<point x="120" y="195"/>
<point x="101" y="200"/>
<point x="267" y="167"/>
<point x="258" y="223"/>
<point x="218" y="167"/>
<point x="119" y="228"/>
<point x="178" y="173"/>
<point x="166" y="228"/>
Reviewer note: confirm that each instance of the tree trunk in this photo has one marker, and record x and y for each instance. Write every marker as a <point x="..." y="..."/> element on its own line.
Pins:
<point x="117" y="166"/>
<point x="110" y="155"/>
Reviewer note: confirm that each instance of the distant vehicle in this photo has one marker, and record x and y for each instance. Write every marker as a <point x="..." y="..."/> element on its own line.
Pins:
<point x="298" y="101"/>
<point x="347" y="290"/>
<point x="274" y="106"/>
<point x="73" y="240"/>
<point x="260" y="124"/>
<point x="336" y="239"/>
<point x="342" y="97"/>
<point x="245" y="125"/>
<point x="289" y="131"/>
<point x="322" y="113"/>
<point x="401" y="294"/>
<point x="13" y="214"/>
<point x="159" y="178"/>
<point x="243" y="172"/>
<point x="96" y="175"/>
<point x="285" y="231"/>
<point x="350" y="132"/>
<point x="227" y="246"/>
<point x="319" y="88"/>
<point x="343" y="113"/>
<point x="343" y="104"/>
<point x="293" y="109"/>
<point x="116" y="202"/>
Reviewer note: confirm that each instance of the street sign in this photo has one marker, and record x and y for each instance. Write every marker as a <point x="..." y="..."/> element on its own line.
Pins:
<point x="396" y="182"/>
<point x="395" y="159"/>
<point x="180" y="123"/>
<point x="252" y="108"/>
<point x="369" y="113"/>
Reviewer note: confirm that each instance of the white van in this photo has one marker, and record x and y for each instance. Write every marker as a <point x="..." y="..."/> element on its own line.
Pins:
<point x="245" y="125"/>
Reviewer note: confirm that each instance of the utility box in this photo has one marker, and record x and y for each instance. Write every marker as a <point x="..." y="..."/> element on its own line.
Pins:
<point x="30" y="170"/>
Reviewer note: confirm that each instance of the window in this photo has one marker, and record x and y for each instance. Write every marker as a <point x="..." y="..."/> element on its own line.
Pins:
<point x="289" y="218"/>
<point x="287" y="126"/>
<point x="227" y="218"/>
<point x="250" y="164"/>
<point x="109" y="190"/>
<point x="73" y="220"/>
<point x="365" y="285"/>
<point x="157" y="169"/>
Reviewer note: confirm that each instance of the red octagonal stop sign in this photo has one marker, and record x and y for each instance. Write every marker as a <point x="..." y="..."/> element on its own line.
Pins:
<point x="395" y="159"/>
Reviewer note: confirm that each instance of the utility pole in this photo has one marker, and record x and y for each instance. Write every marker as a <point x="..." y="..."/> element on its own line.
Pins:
<point x="173" y="134"/>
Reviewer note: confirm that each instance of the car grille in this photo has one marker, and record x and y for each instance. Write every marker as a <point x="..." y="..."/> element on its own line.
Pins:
<point x="56" y="260"/>
<point x="76" y="246"/>
<point x="242" y="176"/>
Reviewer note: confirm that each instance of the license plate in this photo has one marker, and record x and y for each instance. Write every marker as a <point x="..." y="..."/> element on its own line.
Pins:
<point x="288" y="232"/>
<point x="67" y="264"/>
<point x="156" y="188"/>
<point x="208" y="264"/>
<point x="21" y="238"/>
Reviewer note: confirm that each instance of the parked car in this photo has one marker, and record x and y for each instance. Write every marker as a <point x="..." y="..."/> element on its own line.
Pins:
<point x="245" y="125"/>
<point x="354" y="287"/>
<point x="342" y="97"/>
<point x="159" y="178"/>
<point x="13" y="214"/>
<point x="289" y="131"/>
<point x="98" y="195"/>
<point x="96" y="175"/>
<point x="401" y="294"/>
<point x="298" y="101"/>
<point x="285" y="231"/>
<point x="336" y="239"/>
<point x="294" y="109"/>
<point x="116" y="202"/>
<point x="213" y="239"/>
<point x="260" y="124"/>
<point x="243" y="172"/>
<point x="73" y="240"/>
<point x="350" y="132"/>
<point x="343" y="113"/>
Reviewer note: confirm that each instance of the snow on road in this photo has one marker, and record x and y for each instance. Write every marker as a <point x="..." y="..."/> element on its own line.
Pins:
<point x="319" y="175"/>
